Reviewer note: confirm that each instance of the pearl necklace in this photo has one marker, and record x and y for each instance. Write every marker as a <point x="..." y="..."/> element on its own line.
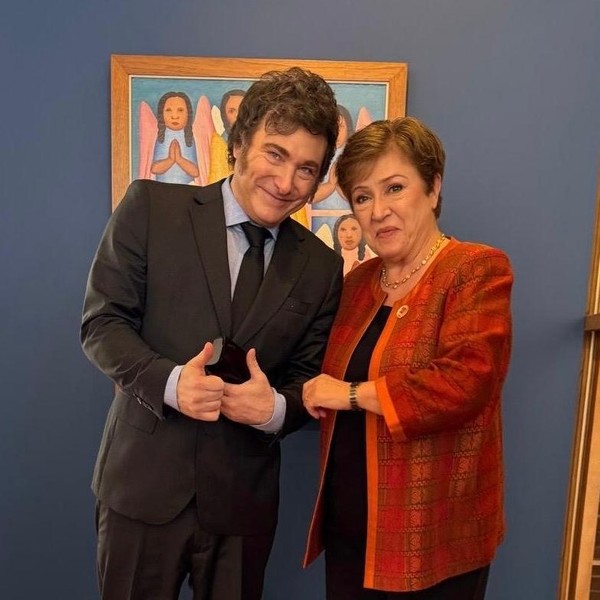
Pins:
<point x="395" y="284"/>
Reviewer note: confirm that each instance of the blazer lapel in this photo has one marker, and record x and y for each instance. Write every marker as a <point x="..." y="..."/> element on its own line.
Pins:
<point x="286" y="266"/>
<point x="208" y="221"/>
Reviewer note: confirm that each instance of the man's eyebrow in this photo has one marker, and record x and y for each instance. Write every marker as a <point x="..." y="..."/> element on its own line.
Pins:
<point x="312" y="163"/>
<point x="280" y="149"/>
<point x="286" y="154"/>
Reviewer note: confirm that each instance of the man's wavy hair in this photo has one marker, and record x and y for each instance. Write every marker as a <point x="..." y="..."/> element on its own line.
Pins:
<point x="286" y="101"/>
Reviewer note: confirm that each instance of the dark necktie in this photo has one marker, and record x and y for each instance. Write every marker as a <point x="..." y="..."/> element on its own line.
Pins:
<point x="251" y="273"/>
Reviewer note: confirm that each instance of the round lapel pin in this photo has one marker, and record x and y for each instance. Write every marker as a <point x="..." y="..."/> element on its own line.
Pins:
<point x="401" y="312"/>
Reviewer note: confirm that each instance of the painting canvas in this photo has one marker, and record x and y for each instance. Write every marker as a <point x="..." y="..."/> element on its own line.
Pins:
<point x="171" y="117"/>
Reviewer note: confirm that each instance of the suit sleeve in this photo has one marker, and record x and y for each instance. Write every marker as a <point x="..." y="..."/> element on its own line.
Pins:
<point x="469" y="358"/>
<point x="114" y="304"/>
<point x="308" y="355"/>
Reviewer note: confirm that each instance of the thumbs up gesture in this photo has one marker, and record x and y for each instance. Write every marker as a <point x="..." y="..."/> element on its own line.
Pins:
<point x="251" y="402"/>
<point x="199" y="395"/>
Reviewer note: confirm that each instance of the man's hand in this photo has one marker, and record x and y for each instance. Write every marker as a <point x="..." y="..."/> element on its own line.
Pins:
<point x="199" y="395"/>
<point x="251" y="402"/>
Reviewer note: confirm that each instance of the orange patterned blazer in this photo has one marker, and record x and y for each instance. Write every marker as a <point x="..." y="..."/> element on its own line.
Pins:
<point x="434" y="459"/>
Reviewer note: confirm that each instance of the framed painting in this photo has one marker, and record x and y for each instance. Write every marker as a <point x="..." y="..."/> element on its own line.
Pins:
<point x="146" y="92"/>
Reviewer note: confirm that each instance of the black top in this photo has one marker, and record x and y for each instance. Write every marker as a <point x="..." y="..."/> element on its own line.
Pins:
<point x="346" y="482"/>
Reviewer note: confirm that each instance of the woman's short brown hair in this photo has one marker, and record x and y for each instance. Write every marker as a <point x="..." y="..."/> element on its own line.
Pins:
<point x="410" y="136"/>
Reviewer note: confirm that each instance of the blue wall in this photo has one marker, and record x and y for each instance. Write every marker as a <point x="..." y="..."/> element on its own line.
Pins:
<point x="513" y="89"/>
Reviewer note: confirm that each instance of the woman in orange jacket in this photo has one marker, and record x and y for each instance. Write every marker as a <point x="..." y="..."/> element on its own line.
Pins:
<point x="410" y="502"/>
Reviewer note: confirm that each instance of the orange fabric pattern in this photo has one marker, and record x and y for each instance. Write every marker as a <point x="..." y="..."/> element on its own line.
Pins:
<point x="434" y="459"/>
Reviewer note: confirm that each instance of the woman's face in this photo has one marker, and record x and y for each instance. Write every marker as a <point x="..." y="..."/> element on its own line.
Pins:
<point x="175" y="113"/>
<point x="394" y="209"/>
<point x="349" y="234"/>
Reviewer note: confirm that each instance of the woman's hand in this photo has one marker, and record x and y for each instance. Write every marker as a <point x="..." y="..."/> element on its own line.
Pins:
<point x="323" y="393"/>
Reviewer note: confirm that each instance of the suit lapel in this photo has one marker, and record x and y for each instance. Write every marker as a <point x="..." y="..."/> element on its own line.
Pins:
<point x="208" y="221"/>
<point x="287" y="264"/>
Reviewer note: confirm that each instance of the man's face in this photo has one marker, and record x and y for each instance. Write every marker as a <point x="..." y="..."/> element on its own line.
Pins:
<point x="276" y="174"/>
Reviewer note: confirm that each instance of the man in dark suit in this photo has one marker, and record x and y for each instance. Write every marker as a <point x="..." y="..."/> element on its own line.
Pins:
<point x="187" y="474"/>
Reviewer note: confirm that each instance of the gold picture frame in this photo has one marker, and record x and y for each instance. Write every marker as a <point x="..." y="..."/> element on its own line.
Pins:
<point x="142" y="141"/>
<point x="126" y="69"/>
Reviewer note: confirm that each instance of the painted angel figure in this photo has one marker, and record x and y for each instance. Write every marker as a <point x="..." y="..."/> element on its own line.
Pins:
<point x="223" y="118"/>
<point x="174" y="146"/>
<point x="349" y="242"/>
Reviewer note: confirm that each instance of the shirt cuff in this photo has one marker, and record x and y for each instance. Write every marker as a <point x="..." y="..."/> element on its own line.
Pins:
<point x="275" y="423"/>
<point x="170" y="398"/>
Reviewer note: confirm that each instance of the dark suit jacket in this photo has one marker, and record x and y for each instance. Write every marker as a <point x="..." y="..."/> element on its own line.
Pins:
<point x="158" y="289"/>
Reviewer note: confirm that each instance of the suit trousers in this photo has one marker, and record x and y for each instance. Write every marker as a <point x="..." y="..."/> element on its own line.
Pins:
<point x="140" y="561"/>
